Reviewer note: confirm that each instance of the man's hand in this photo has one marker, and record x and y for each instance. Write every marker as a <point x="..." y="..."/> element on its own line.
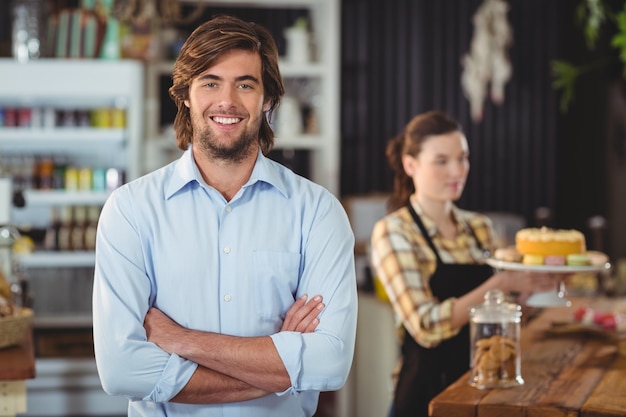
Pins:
<point x="302" y="315"/>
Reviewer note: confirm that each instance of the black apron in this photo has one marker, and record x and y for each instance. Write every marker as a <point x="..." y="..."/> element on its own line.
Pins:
<point x="426" y="372"/>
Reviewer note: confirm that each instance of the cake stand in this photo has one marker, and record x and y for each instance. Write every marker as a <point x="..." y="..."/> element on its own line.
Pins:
<point x="555" y="298"/>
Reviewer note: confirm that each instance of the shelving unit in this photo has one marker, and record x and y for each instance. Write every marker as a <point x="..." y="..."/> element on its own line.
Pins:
<point x="61" y="281"/>
<point x="323" y="72"/>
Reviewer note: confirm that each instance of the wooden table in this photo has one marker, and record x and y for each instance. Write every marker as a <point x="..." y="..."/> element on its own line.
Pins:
<point x="17" y="364"/>
<point x="567" y="373"/>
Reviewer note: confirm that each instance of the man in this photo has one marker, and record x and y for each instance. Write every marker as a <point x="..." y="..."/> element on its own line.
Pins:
<point x="224" y="283"/>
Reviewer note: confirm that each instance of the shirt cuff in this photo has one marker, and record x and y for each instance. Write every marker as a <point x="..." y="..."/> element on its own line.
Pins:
<point x="175" y="376"/>
<point x="289" y="346"/>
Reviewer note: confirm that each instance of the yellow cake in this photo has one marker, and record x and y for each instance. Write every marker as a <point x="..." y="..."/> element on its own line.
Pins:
<point x="549" y="242"/>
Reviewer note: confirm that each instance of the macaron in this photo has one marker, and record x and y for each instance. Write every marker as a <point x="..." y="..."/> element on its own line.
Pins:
<point x="508" y="254"/>
<point x="554" y="260"/>
<point x="578" y="259"/>
<point x="597" y="258"/>
<point x="532" y="259"/>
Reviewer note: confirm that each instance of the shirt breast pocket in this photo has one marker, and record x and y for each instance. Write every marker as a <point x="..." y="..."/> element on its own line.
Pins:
<point x="276" y="276"/>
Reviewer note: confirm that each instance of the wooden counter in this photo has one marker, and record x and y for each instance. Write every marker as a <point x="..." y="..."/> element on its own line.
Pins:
<point x="567" y="373"/>
<point x="17" y="364"/>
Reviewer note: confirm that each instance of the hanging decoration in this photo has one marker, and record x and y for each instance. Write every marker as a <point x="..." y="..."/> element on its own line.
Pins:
<point x="487" y="65"/>
<point x="167" y="11"/>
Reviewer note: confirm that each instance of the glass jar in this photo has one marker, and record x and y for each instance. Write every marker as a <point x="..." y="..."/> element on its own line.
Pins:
<point x="495" y="356"/>
<point x="28" y="28"/>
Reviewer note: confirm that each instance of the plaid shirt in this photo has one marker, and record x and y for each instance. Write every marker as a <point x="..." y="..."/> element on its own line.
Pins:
<point x="404" y="263"/>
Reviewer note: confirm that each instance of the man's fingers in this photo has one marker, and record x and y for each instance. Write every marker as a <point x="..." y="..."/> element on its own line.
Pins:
<point x="290" y="319"/>
<point x="302" y="316"/>
<point x="312" y="326"/>
<point x="310" y="321"/>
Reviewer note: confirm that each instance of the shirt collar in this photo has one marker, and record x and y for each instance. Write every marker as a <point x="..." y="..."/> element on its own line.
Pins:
<point x="429" y="224"/>
<point x="187" y="171"/>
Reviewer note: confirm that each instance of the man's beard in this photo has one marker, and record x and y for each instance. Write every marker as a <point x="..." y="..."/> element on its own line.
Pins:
<point x="235" y="151"/>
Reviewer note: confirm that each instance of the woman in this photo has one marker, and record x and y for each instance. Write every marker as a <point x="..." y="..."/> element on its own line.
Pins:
<point x="429" y="256"/>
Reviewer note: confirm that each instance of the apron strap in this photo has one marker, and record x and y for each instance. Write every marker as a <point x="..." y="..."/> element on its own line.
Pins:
<point x="419" y="223"/>
<point x="466" y="226"/>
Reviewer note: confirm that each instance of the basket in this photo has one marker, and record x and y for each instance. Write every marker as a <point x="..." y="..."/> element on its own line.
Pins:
<point x="13" y="328"/>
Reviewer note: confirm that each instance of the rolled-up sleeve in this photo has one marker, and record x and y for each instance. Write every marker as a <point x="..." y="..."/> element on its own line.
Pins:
<point x="321" y="360"/>
<point x="127" y="363"/>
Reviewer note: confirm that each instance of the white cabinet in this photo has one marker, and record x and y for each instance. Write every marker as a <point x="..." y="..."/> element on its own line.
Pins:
<point x="316" y="82"/>
<point x="375" y="358"/>
<point x="84" y="117"/>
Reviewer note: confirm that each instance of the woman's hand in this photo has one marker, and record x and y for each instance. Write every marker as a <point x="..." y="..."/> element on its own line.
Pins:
<point x="525" y="283"/>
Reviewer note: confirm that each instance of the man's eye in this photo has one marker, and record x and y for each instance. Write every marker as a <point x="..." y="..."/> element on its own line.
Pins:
<point x="245" y="86"/>
<point x="210" y="85"/>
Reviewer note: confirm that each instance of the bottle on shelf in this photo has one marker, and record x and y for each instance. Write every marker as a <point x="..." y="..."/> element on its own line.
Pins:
<point x="85" y="179"/>
<point x="77" y="235"/>
<point x="64" y="233"/>
<point x="51" y="238"/>
<point x="45" y="173"/>
<point x="93" y="213"/>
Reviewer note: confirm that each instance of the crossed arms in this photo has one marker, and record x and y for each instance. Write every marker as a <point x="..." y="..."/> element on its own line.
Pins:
<point x="230" y="368"/>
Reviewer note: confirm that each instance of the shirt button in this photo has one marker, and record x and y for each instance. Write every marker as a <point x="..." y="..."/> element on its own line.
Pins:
<point x="229" y="209"/>
<point x="227" y="297"/>
<point x="226" y="249"/>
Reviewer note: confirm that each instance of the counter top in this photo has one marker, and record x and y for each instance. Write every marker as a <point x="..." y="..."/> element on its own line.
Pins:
<point x="566" y="373"/>
<point x="18" y="362"/>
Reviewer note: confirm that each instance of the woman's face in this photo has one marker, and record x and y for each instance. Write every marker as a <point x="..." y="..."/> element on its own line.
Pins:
<point x="440" y="170"/>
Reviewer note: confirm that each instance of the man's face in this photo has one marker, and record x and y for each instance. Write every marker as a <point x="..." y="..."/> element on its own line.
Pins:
<point x="226" y="106"/>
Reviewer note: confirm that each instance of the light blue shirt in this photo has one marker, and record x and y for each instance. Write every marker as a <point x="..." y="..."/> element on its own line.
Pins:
<point x="234" y="267"/>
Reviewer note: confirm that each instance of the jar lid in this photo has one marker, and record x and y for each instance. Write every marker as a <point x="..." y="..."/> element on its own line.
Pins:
<point x="495" y="308"/>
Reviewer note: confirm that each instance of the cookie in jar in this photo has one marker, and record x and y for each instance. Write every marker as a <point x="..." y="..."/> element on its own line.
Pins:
<point x="495" y="356"/>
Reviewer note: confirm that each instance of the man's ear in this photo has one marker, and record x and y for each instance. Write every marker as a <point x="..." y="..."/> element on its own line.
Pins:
<point x="266" y="106"/>
<point x="186" y="103"/>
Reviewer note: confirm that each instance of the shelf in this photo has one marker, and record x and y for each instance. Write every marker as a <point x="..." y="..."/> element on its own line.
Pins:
<point x="65" y="321"/>
<point x="309" y="69"/>
<point x="64" y="198"/>
<point x="72" y="366"/>
<point x="51" y="259"/>
<point x="299" y="142"/>
<point x="37" y="139"/>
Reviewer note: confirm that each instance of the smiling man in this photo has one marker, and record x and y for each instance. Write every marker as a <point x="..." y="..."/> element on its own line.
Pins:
<point x="224" y="282"/>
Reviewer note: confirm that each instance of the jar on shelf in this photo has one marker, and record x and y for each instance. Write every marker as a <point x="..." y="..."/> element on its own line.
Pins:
<point x="495" y="355"/>
<point x="298" y="42"/>
<point x="28" y="29"/>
